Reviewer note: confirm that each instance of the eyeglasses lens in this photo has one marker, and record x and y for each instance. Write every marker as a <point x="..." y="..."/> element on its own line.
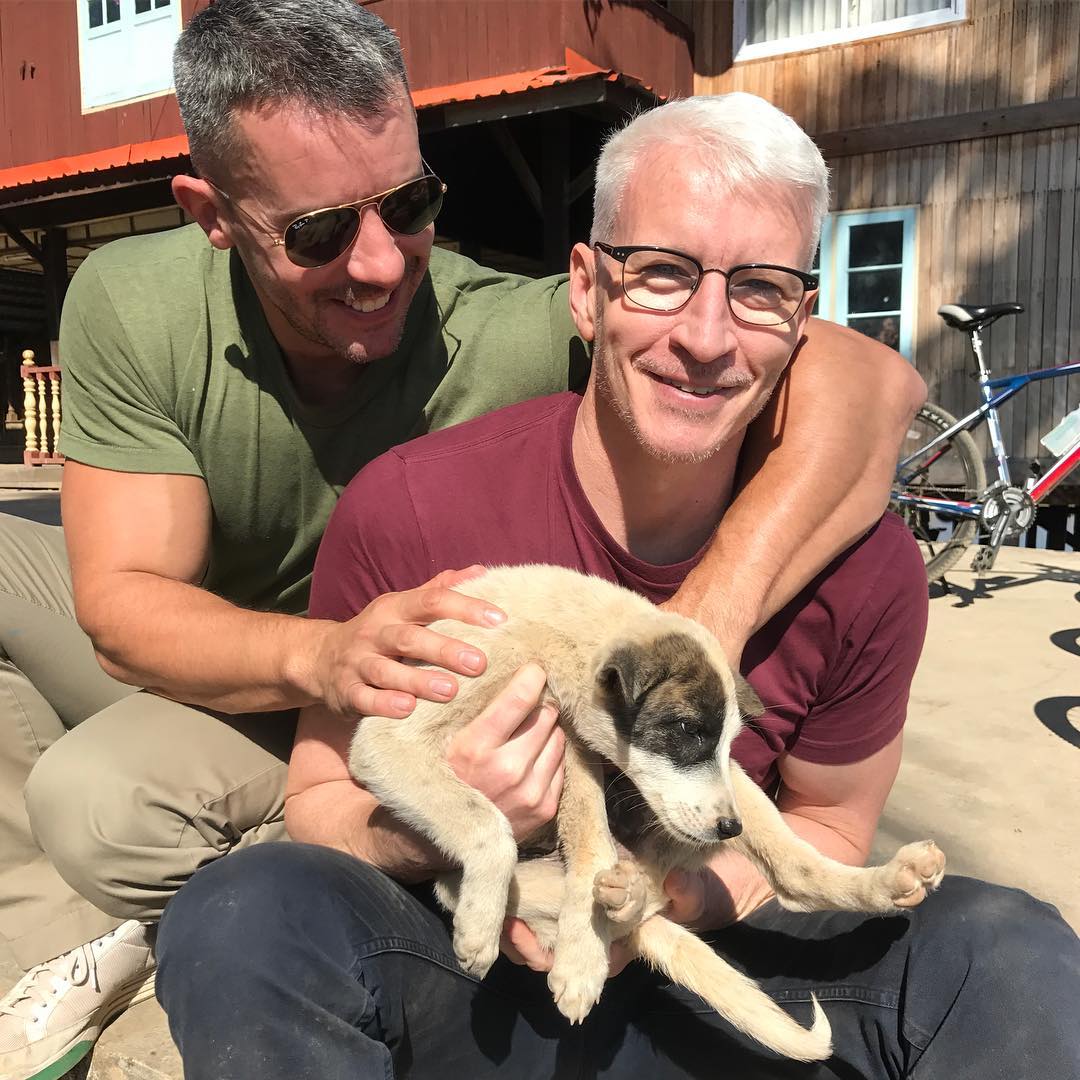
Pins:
<point x="662" y="281"/>
<point x="320" y="238"/>
<point x="658" y="280"/>
<point x="413" y="207"/>
<point x="764" y="296"/>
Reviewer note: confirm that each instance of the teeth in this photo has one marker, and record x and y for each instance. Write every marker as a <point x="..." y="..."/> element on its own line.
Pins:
<point x="695" y="390"/>
<point x="371" y="303"/>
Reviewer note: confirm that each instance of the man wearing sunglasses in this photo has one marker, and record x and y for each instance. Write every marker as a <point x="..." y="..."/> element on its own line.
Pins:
<point x="694" y="293"/>
<point x="223" y="383"/>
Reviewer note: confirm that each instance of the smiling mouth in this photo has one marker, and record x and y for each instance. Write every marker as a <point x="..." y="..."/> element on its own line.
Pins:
<point x="695" y="391"/>
<point x="366" y="304"/>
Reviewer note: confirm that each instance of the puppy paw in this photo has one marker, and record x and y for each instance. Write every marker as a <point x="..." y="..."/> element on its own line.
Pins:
<point x="575" y="989"/>
<point x="914" y="870"/>
<point x="475" y="949"/>
<point x="621" y="892"/>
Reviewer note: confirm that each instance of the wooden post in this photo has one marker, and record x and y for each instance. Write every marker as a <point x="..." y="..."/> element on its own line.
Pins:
<point x="54" y="249"/>
<point x="29" y="405"/>
<point x="555" y="191"/>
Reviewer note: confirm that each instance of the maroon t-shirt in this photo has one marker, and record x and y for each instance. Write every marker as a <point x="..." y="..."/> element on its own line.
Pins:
<point x="833" y="669"/>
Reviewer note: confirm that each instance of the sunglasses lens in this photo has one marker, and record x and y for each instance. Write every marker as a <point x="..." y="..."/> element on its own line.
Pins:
<point x="414" y="206"/>
<point x="320" y="238"/>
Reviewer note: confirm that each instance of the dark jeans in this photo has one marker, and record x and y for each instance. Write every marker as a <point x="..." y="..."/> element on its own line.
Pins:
<point x="298" y="962"/>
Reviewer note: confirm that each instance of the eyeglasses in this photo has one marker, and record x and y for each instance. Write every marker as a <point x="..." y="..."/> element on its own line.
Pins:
<point x="759" y="294"/>
<point x="321" y="236"/>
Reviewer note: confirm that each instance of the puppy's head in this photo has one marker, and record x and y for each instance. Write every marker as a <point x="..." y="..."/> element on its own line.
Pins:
<point x="676" y="707"/>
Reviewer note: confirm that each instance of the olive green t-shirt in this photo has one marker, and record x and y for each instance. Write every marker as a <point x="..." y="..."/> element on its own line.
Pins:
<point x="169" y="366"/>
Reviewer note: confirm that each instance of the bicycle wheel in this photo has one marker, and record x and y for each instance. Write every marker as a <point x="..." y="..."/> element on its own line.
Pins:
<point x="952" y="470"/>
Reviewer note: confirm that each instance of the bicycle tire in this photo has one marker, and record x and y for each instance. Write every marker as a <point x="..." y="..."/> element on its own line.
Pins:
<point x="957" y="472"/>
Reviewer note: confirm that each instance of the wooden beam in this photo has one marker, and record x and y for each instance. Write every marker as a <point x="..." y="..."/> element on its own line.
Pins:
<point x="985" y="124"/>
<point x="500" y="130"/>
<point x="23" y="240"/>
<point x="581" y="183"/>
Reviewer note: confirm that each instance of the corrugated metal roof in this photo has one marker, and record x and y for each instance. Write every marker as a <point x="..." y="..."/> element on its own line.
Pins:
<point x="113" y="165"/>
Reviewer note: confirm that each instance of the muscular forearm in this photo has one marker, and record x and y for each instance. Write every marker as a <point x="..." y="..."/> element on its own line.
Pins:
<point x="340" y="815"/>
<point x="187" y="644"/>
<point x="739" y="888"/>
<point x="818" y="466"/>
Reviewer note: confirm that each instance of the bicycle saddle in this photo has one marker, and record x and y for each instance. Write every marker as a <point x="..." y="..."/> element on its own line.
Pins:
<point x="968" y="317"/>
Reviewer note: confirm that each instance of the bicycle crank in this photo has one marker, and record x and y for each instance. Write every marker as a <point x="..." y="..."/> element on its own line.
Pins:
<point x="1010" y="509"/>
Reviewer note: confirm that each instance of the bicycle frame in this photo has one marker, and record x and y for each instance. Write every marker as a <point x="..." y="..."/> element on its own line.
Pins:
<point x="994" y="392"/>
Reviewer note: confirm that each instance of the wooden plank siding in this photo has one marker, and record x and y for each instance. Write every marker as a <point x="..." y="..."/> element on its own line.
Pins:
<point x="998" y="216"/>
<point x="445" y="43"/>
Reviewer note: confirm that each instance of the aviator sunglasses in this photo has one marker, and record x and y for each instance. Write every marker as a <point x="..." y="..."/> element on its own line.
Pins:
<point x="320" y="236"/>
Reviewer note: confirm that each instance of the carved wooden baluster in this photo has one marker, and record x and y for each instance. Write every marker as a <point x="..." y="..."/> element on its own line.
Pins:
<point x="43" y="414"/>
<point x="29" y="403"/>
<point x="54" y="382"/>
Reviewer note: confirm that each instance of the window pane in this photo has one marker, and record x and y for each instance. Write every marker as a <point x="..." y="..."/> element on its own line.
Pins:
<point x="142" y="6"/>
<point x="874" y="290"/>
<point x="161" y="3"/>
<point x="871" y="11"/>
<point x="885" y="329"/>
<point x="112" y="11"/>
<point x="877" y="244"/>
<point x="96" y="16"/>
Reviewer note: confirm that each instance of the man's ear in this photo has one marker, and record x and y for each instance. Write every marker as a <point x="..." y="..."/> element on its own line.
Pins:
<point x="583" y="290"/>
<point x="746" y="696"/>
<point x="806" y="309"/>
<point x="202" y="203"/>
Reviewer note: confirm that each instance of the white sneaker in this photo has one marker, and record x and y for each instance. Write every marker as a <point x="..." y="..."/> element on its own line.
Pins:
<point x="54" y="1014"/>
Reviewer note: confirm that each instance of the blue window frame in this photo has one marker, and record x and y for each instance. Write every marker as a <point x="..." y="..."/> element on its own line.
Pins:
<point x="866" y="263"/>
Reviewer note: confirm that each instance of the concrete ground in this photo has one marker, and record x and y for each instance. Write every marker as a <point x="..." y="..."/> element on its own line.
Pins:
<point x="991" y="763"/>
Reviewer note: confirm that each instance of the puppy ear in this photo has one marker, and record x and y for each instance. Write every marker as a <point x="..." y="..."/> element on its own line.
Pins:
<point x="625" y="675"/>
<point x="746" y="696"/>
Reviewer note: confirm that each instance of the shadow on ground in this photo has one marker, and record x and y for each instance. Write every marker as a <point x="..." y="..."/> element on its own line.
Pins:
<point x="984" y="587"/>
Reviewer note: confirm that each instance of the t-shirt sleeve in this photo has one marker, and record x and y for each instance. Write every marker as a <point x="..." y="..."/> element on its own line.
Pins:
<point x="372" y="544"/>
<point x="115" y="412"/>
<point x="864" y="702"/>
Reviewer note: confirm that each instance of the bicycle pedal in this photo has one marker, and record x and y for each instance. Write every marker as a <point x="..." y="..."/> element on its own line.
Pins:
<point x="984" y="560"/>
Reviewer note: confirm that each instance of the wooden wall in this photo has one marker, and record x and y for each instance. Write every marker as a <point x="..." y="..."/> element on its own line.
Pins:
<point x="444" y="41"/>
<point x="998" y="216"/>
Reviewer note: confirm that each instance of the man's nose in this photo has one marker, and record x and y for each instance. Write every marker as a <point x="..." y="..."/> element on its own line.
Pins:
<point x="374" y="258"/>
<point x="705" y="328"/>
<point x="727" y="828"/>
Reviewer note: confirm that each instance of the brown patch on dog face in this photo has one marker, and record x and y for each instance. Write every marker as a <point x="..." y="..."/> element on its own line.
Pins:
<point x="666" y="697"/>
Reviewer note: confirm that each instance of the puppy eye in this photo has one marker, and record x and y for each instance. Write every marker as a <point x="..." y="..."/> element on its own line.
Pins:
<point x="694" y="730"/>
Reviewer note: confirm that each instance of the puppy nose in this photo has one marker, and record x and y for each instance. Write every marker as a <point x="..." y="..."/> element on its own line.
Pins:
<point x="728" y="827"/>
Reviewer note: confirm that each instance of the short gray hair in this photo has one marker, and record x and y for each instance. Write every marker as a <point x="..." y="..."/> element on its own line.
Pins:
<point x="743" y="141"/>
<point x="329" y="56"/>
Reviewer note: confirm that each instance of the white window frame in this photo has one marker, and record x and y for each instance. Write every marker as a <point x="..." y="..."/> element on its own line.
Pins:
<point x="93" y="99"/>
<point x="820" y="38"/>
<point x="832" y="269"/>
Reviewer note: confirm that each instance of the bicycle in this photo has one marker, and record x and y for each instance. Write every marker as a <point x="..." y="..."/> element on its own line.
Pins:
<point x="941" y="489"/>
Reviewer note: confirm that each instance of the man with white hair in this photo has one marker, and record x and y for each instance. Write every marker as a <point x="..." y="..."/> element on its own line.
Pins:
<point x="329" y="958"/>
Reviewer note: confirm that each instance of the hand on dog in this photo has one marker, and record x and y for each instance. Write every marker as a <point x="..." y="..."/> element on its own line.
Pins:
<point x="357" y="669"/>
<point x="726" y="890"/>
<point x="518" y="943"/>
<point x="513" y="753"/>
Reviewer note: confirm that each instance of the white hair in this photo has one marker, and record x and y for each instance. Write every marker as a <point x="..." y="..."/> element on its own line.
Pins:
<point x="745" y="143"/>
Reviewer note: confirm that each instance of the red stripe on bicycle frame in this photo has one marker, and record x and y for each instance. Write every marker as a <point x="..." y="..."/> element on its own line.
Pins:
<point x="1061" y="469"/>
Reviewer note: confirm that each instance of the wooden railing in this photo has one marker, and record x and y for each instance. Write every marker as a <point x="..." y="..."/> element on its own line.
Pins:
<point x="41" y="412"/>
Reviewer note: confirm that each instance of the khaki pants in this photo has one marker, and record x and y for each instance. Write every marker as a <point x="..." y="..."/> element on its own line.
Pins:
<point x="110" y="798"/>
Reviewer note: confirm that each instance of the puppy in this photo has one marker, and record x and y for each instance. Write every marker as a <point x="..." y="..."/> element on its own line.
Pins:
<point x="649" y="692"/>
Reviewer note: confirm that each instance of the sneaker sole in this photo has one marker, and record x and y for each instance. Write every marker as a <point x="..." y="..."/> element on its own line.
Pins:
<point x="75" y="1049"/>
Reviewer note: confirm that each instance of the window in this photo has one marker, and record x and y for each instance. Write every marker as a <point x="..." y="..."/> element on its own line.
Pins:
<point x="867" y="270"/>
<point x="768" y="27"/>
<point x="125" y="49"/>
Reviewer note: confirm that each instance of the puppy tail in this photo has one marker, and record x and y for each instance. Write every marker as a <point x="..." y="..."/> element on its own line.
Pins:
<point x="688" y="961"/>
